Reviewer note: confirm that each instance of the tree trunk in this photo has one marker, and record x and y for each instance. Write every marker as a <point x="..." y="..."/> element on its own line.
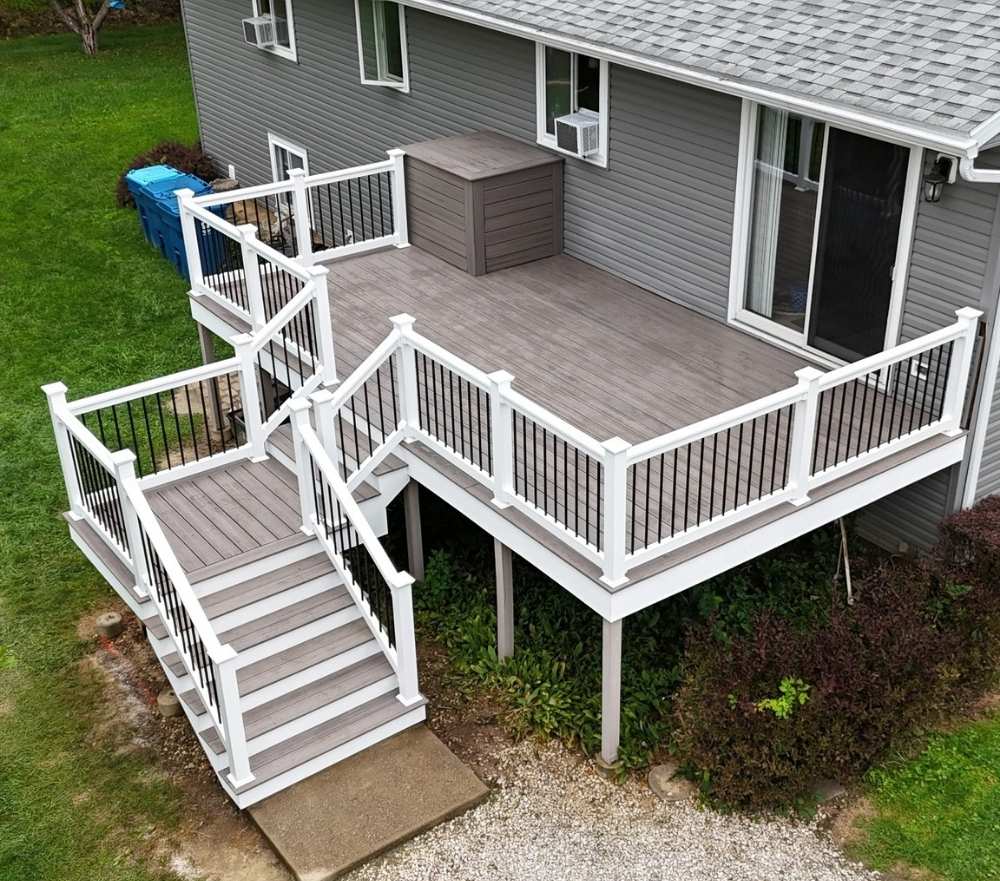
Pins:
<point x="88" y="35"/>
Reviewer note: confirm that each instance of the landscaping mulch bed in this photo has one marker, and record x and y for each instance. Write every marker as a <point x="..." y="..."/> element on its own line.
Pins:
<point x="24" y="21"/>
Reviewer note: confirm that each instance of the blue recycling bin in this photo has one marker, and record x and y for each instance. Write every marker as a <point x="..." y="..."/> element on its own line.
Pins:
<point x="154" y="189"/>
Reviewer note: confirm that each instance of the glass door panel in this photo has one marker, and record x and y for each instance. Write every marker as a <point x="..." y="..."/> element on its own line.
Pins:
<point x="863" y="189"/>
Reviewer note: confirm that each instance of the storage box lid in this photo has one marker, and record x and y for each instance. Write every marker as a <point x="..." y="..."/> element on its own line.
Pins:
<point x="480" y="155"/>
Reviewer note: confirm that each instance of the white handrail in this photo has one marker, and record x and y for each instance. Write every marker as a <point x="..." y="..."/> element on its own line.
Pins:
<point x="332" y="177"/>
<point x="286" y="313"/>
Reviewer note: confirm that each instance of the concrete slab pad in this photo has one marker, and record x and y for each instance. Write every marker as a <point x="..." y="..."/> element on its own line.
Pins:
<point x="357" y="809"/>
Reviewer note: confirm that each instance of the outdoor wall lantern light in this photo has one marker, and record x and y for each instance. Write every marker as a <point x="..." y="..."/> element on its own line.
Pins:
<point x="941" y="172"/>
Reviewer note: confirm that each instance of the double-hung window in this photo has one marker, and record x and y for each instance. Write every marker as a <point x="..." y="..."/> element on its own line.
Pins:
<point x="382" y="44"/>
<point x="283" y="31"/>
<point x="572" y="103"/>
<point x="285" y="156"/>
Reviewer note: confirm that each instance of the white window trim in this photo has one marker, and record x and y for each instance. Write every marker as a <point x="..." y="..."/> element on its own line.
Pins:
<point x="770" y="330"/>
<point x="541" y="134"/>
<point x="276" y="141"/>
<point x="288" y="52"/>
<point x="399" y="86"/>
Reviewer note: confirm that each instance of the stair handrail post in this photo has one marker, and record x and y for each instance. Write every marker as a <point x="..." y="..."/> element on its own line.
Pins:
<point x="189" y="232"/>
<point x="615" y="489"/>
<point x="124" y="465"/>
<point x="960" y="368"/>
<point x="406" y="641"/>
<point x="502" y="431"/>
<point x="400" y="228"/>
<point x="303" y="222"/>
<point x="409" y="399"/>
<point x="231" y="714"/>
<point x="804" y="414"/>
<point x="251" y="275"/>
<point x="326" y="423"/>
<point x="250" y="395"/>
<point x="55" y="394"/>
<point x="319" y="276"/>
<point x="299" y="412"/>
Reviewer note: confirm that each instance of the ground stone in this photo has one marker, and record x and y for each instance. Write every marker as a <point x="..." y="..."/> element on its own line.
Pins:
<point x="168" y="703"/>
<point x="663" y="780"/>
<point x="109" y="624"/>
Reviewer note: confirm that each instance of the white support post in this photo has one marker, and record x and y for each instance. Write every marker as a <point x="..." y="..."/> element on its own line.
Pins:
<point x="414" y="534"/>
<point x="124" y="464"/>
<point x="615" y="486"/>
<point x="55" y="392"/>
<point x="189" y="231"/>
<point x="961" y="366"/>
<point x="251" y="275"/>
<point x="250" y="395"/>
<point x="399" y="225"/>
<point x="502" y="430"/>
<point x="611" y="689"/>
<point x="406" y="640"/>
<point x="504" y="560"/>
<point x="231" y="714"/>
<point x="324" y="326"/>
<point x="409" y="401"/>
<point x="303" y="463"/>
<point x="803" y="433"/>
<point x="326" y="423"/>
<point x="303" y="223"/>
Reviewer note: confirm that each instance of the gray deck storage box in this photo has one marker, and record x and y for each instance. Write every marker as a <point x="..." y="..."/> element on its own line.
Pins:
<point x="484" y="201"/>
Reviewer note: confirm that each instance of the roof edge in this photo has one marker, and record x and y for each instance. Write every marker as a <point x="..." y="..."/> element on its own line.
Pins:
<point x="858" y="120"/>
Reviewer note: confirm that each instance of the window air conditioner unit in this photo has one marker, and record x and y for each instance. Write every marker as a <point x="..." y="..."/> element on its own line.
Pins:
<point x="579" y="133"/>
<point x="259" y="31"/>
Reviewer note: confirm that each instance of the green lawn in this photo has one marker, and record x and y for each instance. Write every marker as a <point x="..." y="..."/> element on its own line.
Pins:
<point x="941" y="810"/>
<point x="83" y="300"/>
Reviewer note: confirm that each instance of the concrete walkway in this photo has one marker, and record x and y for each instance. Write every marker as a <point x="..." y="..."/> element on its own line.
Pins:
<point x="361" y="807"/>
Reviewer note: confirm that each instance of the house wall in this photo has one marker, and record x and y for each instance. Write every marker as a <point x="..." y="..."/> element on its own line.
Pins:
<point x="664" y="225"/>
<point x="661" y="215"/>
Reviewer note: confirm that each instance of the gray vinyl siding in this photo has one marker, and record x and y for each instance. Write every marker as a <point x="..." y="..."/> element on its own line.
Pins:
<point x="660" y="215"/>
<point x="950" y="267"/>
<point x="989" y="470"/>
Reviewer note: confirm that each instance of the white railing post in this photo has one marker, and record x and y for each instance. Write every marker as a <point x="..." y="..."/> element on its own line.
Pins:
<point x="251" y="275"/>
<point x="615" y="487"/>
<point x="326" y="424"/>
<point x="189" y="231"/>
<point x="803" y="433"/>
<point x="399" y="226"/>
<point x="55" y="392"/>
<point x="324" y="329"/>
<point x="250" y="395"/>
<point x="299" y="408"/>
<point x="124" y="464"/>
<point x="406" y="641"/>
<point x="303" y="223"/>
<point x="961" y="366"/>
<point x="502" y="430"/>
<point x="231" y="714"/>
<point x="409" y="400"/>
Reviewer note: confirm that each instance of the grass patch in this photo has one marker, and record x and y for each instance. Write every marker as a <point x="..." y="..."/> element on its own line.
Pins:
<point x="85" y="301"/>
<point x="940" y="811"/>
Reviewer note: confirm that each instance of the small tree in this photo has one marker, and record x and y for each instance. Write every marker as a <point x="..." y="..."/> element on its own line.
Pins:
<point x="82" y="18"/>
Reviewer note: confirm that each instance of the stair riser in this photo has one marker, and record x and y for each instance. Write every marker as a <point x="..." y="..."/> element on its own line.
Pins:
<point x="255" y="793"/>
<point x="322" y="714"/>
<point x="270" y="605"/>
<point x="310" y="674"/>
<point x="271" y="647"/>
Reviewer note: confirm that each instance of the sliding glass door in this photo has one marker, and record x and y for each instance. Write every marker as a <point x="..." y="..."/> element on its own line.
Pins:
<point x="824" y="219"/>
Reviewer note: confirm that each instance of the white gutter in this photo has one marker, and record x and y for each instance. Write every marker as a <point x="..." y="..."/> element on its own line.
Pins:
<point x="855" y="120"/>
<point x="967" y="168"/>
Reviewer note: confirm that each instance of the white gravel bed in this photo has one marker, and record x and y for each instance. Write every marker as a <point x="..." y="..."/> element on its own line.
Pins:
<point x="553" y="817"/>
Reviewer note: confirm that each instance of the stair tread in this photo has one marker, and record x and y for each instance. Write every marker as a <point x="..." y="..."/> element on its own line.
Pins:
<point x="324" y="737"/>
<point x="253" y="590"/>
<point x="281" y="665"/>
<point x="313" y="696"/>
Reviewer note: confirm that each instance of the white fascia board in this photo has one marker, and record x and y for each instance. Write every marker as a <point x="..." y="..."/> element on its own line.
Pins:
<point x="855" y="120"/>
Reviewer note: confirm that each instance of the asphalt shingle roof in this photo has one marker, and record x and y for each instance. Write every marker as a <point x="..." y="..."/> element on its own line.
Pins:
<point x="931" y="62"/>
